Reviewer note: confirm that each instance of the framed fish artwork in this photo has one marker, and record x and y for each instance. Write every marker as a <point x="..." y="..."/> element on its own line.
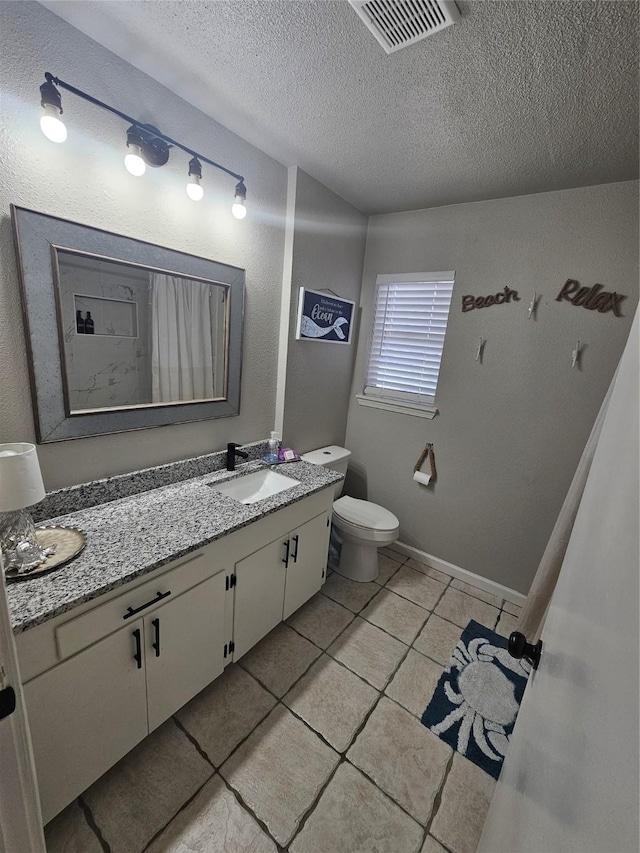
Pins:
<point x="324" y="317"/>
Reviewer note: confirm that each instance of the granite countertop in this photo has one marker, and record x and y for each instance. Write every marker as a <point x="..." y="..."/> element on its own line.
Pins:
<point x="134" y="535"/>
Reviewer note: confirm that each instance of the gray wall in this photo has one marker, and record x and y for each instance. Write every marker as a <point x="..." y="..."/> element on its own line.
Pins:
<point x="85" y="180"/>
<point x="510" y="430"/>
<point x="328" y="252"/>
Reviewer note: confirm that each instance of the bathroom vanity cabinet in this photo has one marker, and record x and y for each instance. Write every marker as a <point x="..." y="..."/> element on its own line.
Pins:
<point x="126" y="666"/>
<point x="274" y="581"/>
<point x="98" y="678"/>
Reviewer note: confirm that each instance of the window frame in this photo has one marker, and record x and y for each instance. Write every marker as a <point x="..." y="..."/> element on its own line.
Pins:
<point x="395" y="400"/>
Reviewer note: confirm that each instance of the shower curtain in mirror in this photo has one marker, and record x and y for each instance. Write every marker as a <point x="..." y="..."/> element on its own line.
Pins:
<point x="182" y="326"/>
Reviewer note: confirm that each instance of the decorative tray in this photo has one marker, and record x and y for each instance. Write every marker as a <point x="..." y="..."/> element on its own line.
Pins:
<point x="68" y="543"/>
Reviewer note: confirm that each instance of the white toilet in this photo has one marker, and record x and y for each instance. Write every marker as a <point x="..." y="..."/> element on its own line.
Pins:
<point x="358" y="528"/>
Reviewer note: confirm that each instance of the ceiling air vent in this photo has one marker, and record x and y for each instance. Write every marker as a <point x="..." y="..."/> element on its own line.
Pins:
<point x="399" y="23"/>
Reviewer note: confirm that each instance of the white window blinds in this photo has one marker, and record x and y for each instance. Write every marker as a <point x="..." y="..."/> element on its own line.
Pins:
<point x="409" y="327"/>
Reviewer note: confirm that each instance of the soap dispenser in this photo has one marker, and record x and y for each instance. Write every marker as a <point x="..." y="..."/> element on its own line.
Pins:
<point x="273" y="450"/>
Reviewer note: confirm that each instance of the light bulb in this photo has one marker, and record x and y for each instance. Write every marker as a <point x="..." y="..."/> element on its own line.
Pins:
<point x="133" y="162"/>
<point x="52" y="125"/>
<point x="194" y="188"/>
<point x="238" y="209"/>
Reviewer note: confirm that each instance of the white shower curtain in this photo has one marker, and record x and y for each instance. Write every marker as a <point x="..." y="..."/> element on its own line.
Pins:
<point x="535" y="609"/>
<point x="181" y="339"/>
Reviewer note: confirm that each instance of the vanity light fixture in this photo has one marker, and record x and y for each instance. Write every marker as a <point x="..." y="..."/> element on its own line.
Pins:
<point x="146" y="145"/>
<point x="133" y="162"/>
<point x="238" y="207"/>
<point x="194" y="187"/>
<point x="50" y="122"/>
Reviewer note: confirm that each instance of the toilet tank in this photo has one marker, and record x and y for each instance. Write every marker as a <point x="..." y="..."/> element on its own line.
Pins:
<point x="334" y="457"/>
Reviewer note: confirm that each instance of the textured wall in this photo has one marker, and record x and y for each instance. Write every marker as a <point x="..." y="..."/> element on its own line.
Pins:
<point x="328" y="252"/>
<point x="514" y="98"/>
<point x="85" y="180"/>
<point x="510" y="430"/>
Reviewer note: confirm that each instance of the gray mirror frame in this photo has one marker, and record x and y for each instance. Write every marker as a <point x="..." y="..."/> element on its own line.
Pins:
<point x="35" y="235"/>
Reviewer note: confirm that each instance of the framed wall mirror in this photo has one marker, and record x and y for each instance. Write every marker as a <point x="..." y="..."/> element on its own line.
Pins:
<point x="123" y="334"/>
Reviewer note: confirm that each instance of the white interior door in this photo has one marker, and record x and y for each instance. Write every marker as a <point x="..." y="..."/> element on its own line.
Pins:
<point x="20" y="818"/>
<point x="570" y="780"/>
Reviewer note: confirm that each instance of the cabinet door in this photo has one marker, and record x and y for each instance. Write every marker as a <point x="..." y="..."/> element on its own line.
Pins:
<point x="259" y="595"/>
<point x="184" y="642"/>
<point x="307" y="563"/>
<point x="85" y="714"/>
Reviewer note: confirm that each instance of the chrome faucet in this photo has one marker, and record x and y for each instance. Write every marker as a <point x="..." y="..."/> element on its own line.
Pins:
<point x="232" y="452"/>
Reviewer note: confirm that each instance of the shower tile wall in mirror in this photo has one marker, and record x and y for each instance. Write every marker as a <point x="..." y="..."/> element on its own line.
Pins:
<point x="137" y="337"/>
<point x="145" y="335"/>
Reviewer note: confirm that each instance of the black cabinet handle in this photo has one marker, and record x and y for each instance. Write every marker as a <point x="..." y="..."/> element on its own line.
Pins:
<point x="520" y="648"/>
<point x="286" y="555"/>
<point x="132" y="612"/>
<point x="138" y="655"/>
<point x="156" y="642"/>
<point x="294" y="556"/>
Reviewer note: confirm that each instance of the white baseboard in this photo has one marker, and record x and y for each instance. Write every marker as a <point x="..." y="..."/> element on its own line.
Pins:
<point x="456" y="572"/>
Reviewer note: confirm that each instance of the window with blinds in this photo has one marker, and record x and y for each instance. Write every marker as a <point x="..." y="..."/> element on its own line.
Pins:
<point x="409" y="327"/>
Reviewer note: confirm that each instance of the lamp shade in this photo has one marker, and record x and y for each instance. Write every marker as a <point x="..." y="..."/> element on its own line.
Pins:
<point x="20" y="478"/>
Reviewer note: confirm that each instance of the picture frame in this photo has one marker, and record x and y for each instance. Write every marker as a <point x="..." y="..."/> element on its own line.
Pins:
<point x="39" y="239"/>
<point x="324" y="317"/>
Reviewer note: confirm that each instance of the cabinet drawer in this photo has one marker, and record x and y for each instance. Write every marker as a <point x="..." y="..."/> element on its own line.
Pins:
<point x="78" y="633"/>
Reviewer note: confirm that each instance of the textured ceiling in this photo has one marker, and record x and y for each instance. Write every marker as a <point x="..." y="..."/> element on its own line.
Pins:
<point x="517" y="97"/>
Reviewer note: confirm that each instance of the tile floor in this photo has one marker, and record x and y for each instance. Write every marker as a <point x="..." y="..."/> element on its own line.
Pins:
<point x="312" y="743"/>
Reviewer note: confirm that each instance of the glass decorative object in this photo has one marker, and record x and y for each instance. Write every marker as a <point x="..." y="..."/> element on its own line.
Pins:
<point x="21" y="486"/>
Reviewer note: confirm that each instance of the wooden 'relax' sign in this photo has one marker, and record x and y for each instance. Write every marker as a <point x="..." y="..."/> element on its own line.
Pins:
<point x="592" y="298"/>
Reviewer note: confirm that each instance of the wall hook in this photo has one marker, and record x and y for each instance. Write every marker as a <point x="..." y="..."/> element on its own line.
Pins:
<point x="480" y="350"/>
<point x="575" y="356"/>
<point x="533" y="306"/>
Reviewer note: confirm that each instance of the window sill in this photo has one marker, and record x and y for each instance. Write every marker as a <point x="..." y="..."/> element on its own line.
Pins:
<point x="400" y="408"/>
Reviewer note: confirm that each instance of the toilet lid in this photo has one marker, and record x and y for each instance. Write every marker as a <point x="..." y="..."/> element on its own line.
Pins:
<point x="365" y="514"/>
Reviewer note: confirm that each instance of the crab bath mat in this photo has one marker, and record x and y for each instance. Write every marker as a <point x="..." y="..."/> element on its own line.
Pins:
<point x="475" y="705"/>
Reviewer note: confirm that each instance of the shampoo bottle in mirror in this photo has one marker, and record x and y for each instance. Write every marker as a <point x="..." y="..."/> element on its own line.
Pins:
<point x="88" y="324"/>
<point x="79" y="323"/>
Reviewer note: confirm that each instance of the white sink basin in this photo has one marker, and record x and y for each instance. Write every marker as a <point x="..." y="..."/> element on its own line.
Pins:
<point x="255" y="487"/>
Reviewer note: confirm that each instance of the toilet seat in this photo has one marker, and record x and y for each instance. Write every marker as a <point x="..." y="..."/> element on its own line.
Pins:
<point x="365" y="515"/>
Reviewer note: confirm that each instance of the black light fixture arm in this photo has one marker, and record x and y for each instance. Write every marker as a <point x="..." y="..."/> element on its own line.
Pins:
<point x="50" y="78"/>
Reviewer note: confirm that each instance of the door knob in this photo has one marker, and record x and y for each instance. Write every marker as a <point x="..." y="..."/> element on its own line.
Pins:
<point x="520" y="648"/>
<point x="7" y="702"/>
